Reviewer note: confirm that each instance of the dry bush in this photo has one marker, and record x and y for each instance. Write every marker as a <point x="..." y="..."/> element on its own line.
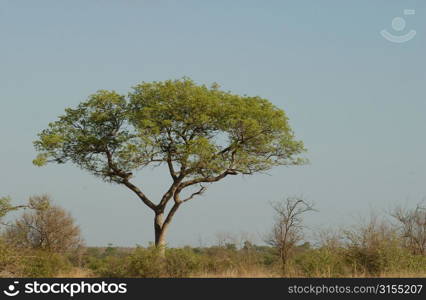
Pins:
<point x="411" y="224"/>
<point x="45" y="227"/>
<point x="376" y="248"/>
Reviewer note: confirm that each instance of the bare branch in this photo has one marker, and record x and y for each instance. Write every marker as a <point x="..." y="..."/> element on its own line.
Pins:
<point x="199" y="192"/>
<point x="208" y="179"/>
<point x="412" y="226"/>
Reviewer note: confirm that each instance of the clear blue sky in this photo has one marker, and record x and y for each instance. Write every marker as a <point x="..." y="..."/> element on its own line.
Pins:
<point x="355" y="99"/>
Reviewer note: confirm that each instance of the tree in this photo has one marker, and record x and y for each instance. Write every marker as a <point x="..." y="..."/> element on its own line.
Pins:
<point x="287" y="230"/>
<point x="200" y="134"/>
<point x="45" y="227"/>
<point x="412" y="226"/>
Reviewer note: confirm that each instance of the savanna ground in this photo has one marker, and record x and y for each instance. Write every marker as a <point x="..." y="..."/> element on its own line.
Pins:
<point x="215" y="262"/>
<point x="45" y="242"/>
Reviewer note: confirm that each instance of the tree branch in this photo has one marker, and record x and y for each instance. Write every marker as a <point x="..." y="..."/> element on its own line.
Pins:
<point x="140" y="194"/>
<point x="208" y="179"/>
<point x="171" y="168"/>
<point x="125" y="180"/>
<point x="199" y="192"/>
<point x="116" y="171"/>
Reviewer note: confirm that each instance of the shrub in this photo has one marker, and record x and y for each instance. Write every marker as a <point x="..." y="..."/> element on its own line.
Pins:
<point x="146" y="263"/>
<point x="142" y="263"/>
<point x="182" y="262"/>
<point x="45" y="227"/>
<point x="44" y="264"/>
<point x="374" y="248"/>
<point x="110" y="266"/>
<point x="321" y="262"/>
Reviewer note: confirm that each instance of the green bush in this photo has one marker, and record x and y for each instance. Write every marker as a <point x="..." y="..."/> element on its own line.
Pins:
<point x="218" y="260"/>
<point x="384" y="257"/>
<point x="110" y="266"/>
<point x="146" y="263"/>
<point x="142" y="263"/>
<point x="182" y="262"/>
<point x="111" y="262"/>
<point x="178" y="262"/>
<point x="321" y="262"/>
<point x="389" y="258"/>
<point x="44" y="264"/>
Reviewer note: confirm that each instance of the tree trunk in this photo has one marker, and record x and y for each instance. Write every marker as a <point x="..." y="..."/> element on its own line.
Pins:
<point x="160" y="234"/>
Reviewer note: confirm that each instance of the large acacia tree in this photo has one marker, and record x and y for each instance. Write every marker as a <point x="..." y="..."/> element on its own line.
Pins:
<point x="201" y="134"/>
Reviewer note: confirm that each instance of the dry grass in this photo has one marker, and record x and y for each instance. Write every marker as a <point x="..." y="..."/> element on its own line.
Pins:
<point x="292" y="273"/>
<point x="258" y="271"/>
<point x="77" y="273"/>
<point x="234" y="274"/>
<point x="403" y="275"/>
<point x="85" y="273"/>
<point x="266" y="275"/>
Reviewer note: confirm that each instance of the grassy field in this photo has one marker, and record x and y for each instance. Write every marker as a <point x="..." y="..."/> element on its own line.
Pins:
<point x="227" y="261"/>
<point x="376" y="248"/>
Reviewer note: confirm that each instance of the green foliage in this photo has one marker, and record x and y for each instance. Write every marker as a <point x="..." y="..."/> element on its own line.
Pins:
<point x="142" y="262"/>
<point x="146" y="263"/>
<point x="371" y="249"/>
<point x="386" y="256"/>
<point x="6" y="206"/>
<point x="110" y="266"/>
<point x="268" y="255"/>
<point x="44" y="264"/>
<point x="109" y="262"/>
<point x="251" y="261"/>
<point x="203" y="131"/>
<point x="351" y="261"/>
<point x="178" y="262"/>
<point x="322" y="262"/>
<point x="85" y="133"/>
<point x="110" y="251"/>
<point x="182" y="263"/>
